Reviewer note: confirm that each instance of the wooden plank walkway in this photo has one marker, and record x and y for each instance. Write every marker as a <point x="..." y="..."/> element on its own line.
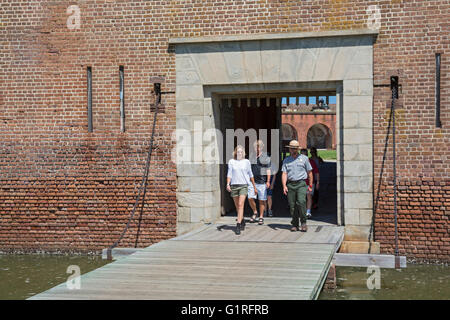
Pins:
<point x="264" y="262"/>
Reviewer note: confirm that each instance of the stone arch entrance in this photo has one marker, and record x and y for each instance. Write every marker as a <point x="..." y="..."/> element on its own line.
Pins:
<point x="319" y="136"/>
<point x="273" y="63"/>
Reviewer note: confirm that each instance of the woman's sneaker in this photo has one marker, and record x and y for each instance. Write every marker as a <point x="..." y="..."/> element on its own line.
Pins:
<point x="270" y="213"/>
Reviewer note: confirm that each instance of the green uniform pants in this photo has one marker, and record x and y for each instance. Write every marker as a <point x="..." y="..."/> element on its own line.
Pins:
<point x="297" y="201"/>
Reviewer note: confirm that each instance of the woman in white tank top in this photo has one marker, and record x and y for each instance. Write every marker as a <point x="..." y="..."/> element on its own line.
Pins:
<point x="239" y="176"/>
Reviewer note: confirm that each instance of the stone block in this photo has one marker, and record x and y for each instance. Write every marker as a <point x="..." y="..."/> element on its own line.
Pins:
<point x="183" y="214"/>
<point x="210" y="61"/>
<point x="194" y="199"/>
<point x="365" y="152"/>
<point x="359" y="71"/>
<point x="184" y="62"/>
<point x="326" y="61"/>
<point x="357" y="136"/>
<point x="198" y="214"/>
<point x="184" y="184"/>
<point x="366" y="184"/>
<point x="365" y="87"/>
<point x="351" y="152"/>
<point x="351" y="120"/>
<point x="360" y="247"/>
<point x="364" y="55"/>
<point x="307" y="63"/>
<point x="351" y="87"/>
<point x="202" y="184"/>
<point x="190" y="92"/>
<point x="365" y="216"/>
<point x="190" y="108"/>
<point x="252" y="61"/>
<point x="352" y="184"/>
<point x="188" y="77"/>
<point x="351" y="216"/>
<point x="342" y="61"/>
<point x="234" y="62"/>
<point x="289" y="59"/>
<point x="270" y="56"/>
<point x="357" y="103"/>
<point x="357" y="168"/>
<point x="358" y="200"/>
<point x="190" y="169"/>
<point x="208" y="107"/>
<point x="365" y="120"/>
<point x="185" y="227"/>
<point x="356" y="232"/>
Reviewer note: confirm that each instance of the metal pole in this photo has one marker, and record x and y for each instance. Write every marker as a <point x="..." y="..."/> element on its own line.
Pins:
<point x="438" y="90"/>
<point x="122" y="98"/>
<point x="89" y="92"/>
<point x="394" y="88"/>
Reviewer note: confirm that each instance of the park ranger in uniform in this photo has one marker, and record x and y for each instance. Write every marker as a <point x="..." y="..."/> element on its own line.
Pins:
<point x="296" y="169"/>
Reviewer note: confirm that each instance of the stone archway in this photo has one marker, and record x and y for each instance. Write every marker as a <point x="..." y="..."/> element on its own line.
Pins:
<point x="268" y="63"/>
<point x="320" y="137"/>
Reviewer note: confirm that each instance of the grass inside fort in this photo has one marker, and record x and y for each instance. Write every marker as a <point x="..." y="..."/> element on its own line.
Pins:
<point x="325" y="154"/>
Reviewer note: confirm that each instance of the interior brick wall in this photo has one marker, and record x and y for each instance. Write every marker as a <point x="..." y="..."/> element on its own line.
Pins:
<point x="63" y="188"/>
<point x="303" y="122"/>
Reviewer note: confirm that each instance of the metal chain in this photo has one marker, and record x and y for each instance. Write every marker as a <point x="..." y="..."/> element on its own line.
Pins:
<point x="143" y="185"/>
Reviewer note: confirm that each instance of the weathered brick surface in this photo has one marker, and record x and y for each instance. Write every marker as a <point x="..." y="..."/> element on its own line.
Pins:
<point x="57" y="179"/>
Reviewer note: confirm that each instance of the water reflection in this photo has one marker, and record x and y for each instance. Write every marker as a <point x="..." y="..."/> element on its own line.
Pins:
<point x="416" y="282"/>
<point x="22" y="276"/>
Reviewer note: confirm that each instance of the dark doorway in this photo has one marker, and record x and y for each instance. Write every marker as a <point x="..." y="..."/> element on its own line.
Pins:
<point x="255" y="113"/>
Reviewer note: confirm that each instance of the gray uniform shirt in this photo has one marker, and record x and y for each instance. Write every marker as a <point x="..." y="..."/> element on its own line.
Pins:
<point x="298" y="168"/>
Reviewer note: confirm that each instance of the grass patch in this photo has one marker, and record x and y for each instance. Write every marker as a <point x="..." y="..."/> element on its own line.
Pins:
<point x="329" y="154"/>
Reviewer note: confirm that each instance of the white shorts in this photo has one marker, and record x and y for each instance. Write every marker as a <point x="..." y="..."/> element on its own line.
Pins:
<point x="261" y="190"/>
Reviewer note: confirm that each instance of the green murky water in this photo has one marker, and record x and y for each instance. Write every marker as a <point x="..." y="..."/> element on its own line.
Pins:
<point x="416" y="282"/>
<point x="22" y="276"/>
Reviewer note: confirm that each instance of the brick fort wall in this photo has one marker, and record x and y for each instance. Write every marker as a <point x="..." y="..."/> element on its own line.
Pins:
<point x="63" y="188"/>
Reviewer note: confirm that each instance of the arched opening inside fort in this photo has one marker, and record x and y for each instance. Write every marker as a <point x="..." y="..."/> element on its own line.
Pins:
<point x="288" y="133"/>
<point x="319" y="136"/>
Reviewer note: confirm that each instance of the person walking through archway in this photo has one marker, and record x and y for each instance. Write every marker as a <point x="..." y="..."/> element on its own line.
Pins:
<point x="318" y="161"/>
<point x="310" y="194"/>
<point x="239" y="177"/>
<point x="295" y="170"/>
<point x="260" y="163"/>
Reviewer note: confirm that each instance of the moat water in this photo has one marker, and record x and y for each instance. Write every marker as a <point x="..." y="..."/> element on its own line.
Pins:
<point x="416" y="282"/>
<point x="22" y="276"/>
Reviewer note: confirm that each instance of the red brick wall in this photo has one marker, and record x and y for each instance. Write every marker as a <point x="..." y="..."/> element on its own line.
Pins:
<point x="303" y="122"/>
<point x="51" y="168"/>
<point x="423" y="209"/>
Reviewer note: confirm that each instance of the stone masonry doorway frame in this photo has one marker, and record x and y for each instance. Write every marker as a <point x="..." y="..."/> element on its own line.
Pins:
<point x="339" y="60"/>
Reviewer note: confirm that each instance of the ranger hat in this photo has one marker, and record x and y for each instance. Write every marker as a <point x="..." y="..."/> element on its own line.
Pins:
<point x="294" y="144"/>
